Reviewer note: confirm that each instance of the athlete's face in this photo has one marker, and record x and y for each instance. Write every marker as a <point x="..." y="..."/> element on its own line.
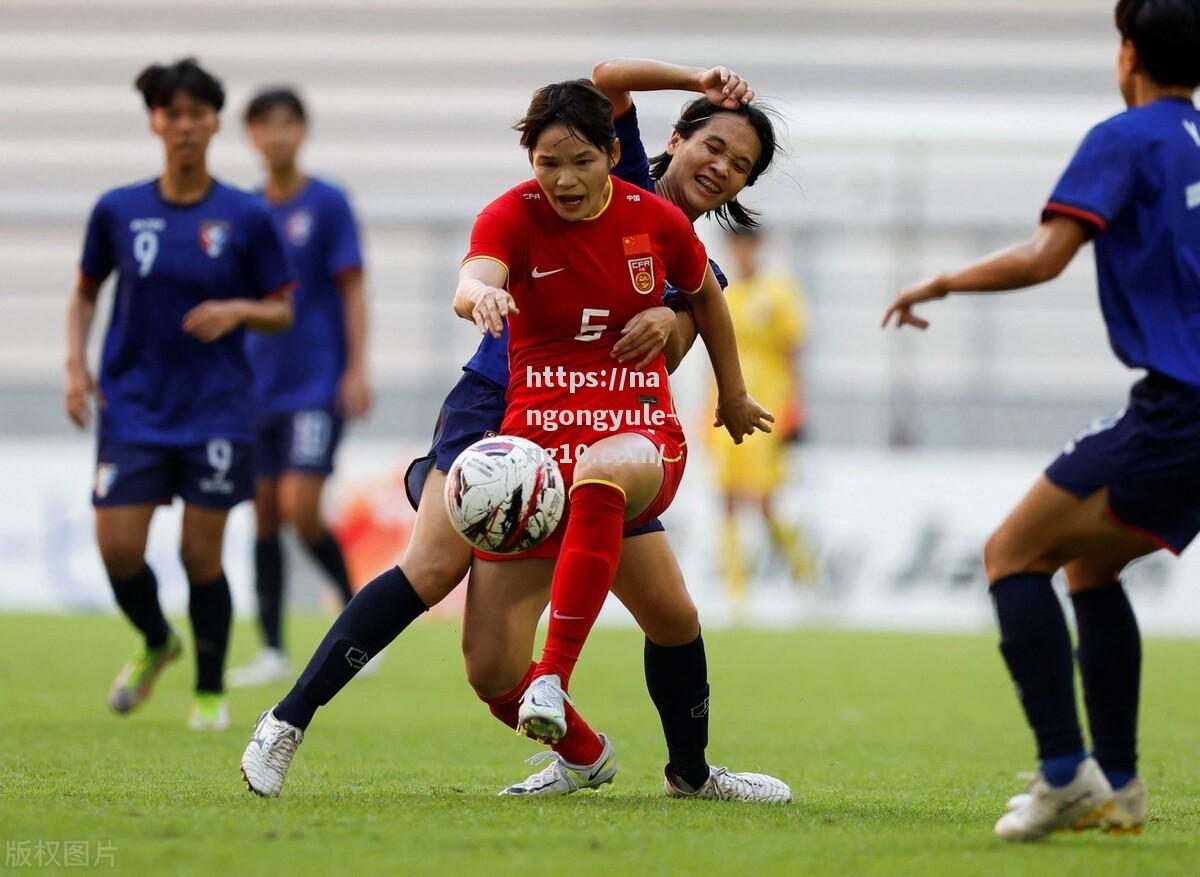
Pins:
<point x="712" y="166"/>
<point x="744" y="248"/>
<point x="185" y="125"/>
<point x="278" y="136"/>
<point x="573" y="173"/>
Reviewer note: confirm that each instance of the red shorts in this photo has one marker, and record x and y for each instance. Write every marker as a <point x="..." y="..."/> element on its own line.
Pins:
<point x="673" y="452"/>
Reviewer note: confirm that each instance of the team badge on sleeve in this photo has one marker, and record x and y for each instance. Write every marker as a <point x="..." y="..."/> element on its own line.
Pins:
<point x="214" y="235"/>
<point x="641" y="271"/>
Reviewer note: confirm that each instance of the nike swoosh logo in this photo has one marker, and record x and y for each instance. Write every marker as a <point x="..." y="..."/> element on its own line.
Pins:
<point x="537" y="275"/>
<point x="562" y="617"/>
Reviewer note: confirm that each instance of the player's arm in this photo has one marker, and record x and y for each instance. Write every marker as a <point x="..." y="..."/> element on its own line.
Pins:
<point x="354" y="391"/>
<point x="1043" y="257"/>
<point x="617" y="77"/>
<point x="216" y="318"/>
<point x="736" y="411"/>
<point x="81" y="312"/>
<point x="481" y="297"/>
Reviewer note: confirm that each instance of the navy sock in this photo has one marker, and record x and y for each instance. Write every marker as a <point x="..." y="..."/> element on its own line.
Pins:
<point x="268" y="583"/>
<point x="211" y="610"/>
<point x="375" y="617"/>
<point x="1036" y="646"/>
<point x="328" y="553"/>
<point x="1110" y="665"/>
<point x="138" y="598"/>
<point x="677" y="679"/>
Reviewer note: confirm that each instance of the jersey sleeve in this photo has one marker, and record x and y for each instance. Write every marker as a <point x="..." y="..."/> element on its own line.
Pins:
<point x="634" y="166"/>
<point x="1098" y="182"/>
<point x="685" y="259"/>
<point x="271" y="273"/>
<point x="498" y="232"/>
<point x="344" y="253"/>
<point x="98" y="256"/>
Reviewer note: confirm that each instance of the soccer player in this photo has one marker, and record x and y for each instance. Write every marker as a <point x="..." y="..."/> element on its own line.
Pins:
<point x="1129" y="484"/>
<point x="197" y="262"/>
<point x="308" y="380"/>
<point x="648" y="578"/>
<point x="771" y="322"/>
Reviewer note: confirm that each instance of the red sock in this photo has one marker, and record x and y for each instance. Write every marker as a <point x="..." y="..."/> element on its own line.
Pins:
<point x="580" y="745"/>
<point x="587" y="563"/>
<point x="505" y="706"/>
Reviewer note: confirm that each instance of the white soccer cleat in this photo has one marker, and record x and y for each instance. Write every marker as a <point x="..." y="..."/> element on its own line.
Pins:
<point x="722" y="785"/>
<point x="543" y="712"/>
<point x="268" y="667"/>
<point x="269" y="754"/>
<point x="1045" y="808"/>
<point x="1127" y="816"/>
<point x="562" y="778"/>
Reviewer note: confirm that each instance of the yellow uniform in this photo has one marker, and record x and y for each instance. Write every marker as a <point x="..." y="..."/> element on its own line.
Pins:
<point x="771" y="321"/>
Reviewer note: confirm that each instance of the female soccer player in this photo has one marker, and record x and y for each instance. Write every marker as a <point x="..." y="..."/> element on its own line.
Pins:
<point x="1129" y="484"/>
<point x="197" y="262"/>
<point x="648" y="579"/>
<point x="308" y="380"/>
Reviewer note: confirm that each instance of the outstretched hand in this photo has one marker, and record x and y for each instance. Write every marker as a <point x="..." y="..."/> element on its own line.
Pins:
<point x="911" y="295"/>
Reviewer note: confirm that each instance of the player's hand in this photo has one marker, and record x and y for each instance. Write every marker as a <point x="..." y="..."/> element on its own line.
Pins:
<point x="724" y="88"/>
<point x="81" y="389"/>
<point x="354" y="395"/>
<point x="927" y="290"/>
<point x="492" y="305"/>
<point x="644" y="336"/>
<point x="741" y="416"/>
<point x="211" y="320"/>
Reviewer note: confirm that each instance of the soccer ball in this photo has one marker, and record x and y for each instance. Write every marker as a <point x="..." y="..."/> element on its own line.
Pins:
<point x="504" y="494"/>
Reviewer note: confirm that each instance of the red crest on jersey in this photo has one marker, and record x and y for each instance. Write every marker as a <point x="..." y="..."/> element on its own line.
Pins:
<point x="641" y="272"/>
<point x="214" y="234"/>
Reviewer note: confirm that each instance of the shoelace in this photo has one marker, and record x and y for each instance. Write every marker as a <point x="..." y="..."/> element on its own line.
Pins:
<point x="550" y="771"/>
<point x="284" y="743"/>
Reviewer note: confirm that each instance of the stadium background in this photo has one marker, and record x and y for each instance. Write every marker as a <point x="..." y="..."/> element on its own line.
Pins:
<point x="919" y="134"/>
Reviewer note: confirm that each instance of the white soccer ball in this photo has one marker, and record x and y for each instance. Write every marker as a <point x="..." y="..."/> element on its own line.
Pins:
<point x="504" y="494"/>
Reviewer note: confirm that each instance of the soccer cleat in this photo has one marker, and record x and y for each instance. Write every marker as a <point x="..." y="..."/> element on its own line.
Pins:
<point x="543" y="714"/>
<point x="269" y="666"/>
<point x="722" y="785"/>
<point x="210" y="712"/>
<point x="1045" y="808"/>
<point x="269" y="754"/>
<point x="1127" y="816"/>
<point x="135" y="682"/>
<point x="562" y="778"/>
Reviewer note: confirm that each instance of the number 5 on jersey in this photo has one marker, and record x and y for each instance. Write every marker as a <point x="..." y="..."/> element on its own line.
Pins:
<point x="589" y="331"/>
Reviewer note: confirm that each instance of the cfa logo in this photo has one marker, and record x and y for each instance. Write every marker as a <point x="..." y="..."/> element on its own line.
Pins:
<point x="641" y="272"/>
<point x="532" y="196"/>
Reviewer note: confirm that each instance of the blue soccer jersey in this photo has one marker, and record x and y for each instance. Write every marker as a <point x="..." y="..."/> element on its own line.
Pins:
<point x="162" y="386"/>
<point x="1135" y="181"/>
<point x="300" y="369"/>
<point x="491" y="357"/>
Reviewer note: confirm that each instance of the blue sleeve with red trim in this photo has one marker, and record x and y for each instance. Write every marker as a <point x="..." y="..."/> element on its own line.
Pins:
<point x="98" y="258"/>
<point x="1098" y="183"/>
<point x="344" y="253"/>
<point x="634" y="166"/>
<point x="269" y="265"/>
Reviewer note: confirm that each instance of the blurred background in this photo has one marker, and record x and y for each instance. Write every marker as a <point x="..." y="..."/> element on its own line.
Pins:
<point x="919" y="134"/>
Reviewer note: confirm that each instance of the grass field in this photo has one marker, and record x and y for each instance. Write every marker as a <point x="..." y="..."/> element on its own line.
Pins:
<point x="900" y="750"/>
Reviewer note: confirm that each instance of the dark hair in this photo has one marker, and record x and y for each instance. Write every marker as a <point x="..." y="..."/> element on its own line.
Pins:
<point x="695" y="116"/>
<point x="576" y="103"/>
<point x="268" y="99"/>
<point x="1166" y="34"/>
<point x="158" y="84"/>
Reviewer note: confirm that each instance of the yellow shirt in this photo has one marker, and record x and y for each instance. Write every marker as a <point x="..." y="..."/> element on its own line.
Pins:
<point x="771" y="321"/>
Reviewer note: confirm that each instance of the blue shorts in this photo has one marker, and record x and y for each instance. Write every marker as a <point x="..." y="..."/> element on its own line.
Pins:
<point x="217" y="474"/>
<point x="473" y="410"/>
<point x="297" y="441"/>
<point x="1148" y="456"/>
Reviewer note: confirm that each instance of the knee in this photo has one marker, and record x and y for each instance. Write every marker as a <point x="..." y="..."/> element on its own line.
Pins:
<point x="266" y="523"/>
<point x="998" y="557"/>
<point x="489" y="678"/>
<point x="122" y="558"/>
<point x="434" y="574"/>
<point x="676" y="627"/>
<point x="305" y="518"/>
<point x="201" y="561"/>
<point x="1085" y="573"/>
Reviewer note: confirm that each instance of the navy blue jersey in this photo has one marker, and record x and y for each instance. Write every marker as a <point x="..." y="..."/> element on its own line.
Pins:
<point x="1135" y="181"/>
<point x="161" y="386"/>
<point x="300" y="369"/>
<point x="491" y="357"/>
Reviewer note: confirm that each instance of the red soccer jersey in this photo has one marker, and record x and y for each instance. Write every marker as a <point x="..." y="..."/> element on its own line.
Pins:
<point x="577" y="284"/>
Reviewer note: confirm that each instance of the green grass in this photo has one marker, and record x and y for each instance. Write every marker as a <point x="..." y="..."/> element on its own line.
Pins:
<point x="900" y="749"/>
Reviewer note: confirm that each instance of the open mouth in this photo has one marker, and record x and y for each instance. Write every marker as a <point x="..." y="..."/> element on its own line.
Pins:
<point x="571" y="201"/>
<point x="707" y="185"/>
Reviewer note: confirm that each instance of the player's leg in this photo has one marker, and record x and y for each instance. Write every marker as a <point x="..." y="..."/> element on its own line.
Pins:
<point x="210" y="608"/>
<point x="1048" y="528"/>
<point x="505" y="600"/>
<point x="650" y="584"/>
<point x="1110" y="661"/>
